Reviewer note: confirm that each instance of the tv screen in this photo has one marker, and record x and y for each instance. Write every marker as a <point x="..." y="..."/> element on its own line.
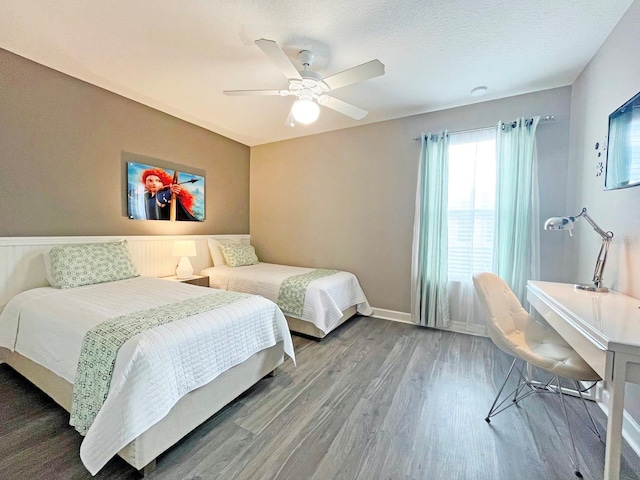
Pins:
<point x="623" y="150"/>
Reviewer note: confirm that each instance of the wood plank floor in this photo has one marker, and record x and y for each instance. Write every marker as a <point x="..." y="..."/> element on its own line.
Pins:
<point x="373" y="400"/>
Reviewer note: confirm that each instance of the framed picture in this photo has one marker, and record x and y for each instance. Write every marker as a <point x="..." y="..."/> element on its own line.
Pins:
<point x="155" y="193"/>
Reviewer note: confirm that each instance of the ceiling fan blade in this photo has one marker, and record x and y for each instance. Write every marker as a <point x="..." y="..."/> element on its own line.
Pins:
<point x="282" y="93"/>
<point x="368" y="70"/>
<point x="343" y="107"/>
<point x="277" y="56"/>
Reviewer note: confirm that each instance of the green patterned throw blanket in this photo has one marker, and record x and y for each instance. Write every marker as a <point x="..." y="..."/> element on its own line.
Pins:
<point x="101" y="344"/>
<point x="294" y="288"/>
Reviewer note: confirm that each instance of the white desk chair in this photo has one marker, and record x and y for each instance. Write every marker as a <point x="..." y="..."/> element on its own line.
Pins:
<point x="514" y="332"/>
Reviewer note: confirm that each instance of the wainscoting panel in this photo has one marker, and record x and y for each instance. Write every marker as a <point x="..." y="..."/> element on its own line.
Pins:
<point x="22" y="266"/>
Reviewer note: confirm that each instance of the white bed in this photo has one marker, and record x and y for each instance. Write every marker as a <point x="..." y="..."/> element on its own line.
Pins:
<point x="329" y="301"/>
<point x="166" y="381"/>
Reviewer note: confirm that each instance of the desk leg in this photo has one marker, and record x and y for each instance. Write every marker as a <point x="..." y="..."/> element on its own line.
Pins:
<point x="613" y="447"/>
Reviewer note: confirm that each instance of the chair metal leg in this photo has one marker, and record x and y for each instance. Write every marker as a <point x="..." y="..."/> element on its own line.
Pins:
<point x="521" y="386"/>
<point x="491" y="410"/>
<point x="595" y="427"/>
<point x="517" y="393"/>
<point x="574" y="456"/>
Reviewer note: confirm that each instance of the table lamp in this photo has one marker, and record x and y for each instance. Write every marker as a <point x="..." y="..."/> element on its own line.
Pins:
<point x="566" y="223"/>
<point x="184" y="249"/>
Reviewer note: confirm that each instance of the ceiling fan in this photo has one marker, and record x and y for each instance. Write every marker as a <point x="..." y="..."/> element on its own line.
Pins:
<point x="308" y="86"/>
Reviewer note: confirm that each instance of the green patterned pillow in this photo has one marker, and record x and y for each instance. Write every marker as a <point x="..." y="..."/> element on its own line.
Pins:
<point x="88" y="263"/>
<point x="238" y="254"/>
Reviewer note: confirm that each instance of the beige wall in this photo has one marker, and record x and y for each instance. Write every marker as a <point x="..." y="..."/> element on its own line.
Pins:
<point x="345" y="199"/>
<point x="61" y="158"/>
<point x="611" y="78"/>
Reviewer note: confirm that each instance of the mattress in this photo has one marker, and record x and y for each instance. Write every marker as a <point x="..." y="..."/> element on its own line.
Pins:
<point x="325" y="300"/>
<point x="154" y="369"/>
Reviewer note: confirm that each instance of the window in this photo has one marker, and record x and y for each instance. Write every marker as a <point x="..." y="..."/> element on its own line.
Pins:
<point x="471" y="203"/>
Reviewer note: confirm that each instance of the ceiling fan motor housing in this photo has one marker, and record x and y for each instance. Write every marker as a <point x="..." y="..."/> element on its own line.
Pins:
<point x="310" y="81"/>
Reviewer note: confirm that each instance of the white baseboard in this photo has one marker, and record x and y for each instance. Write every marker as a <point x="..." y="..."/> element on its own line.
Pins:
<point x="630" y="427"/>
<point x="392" y="315"/>
<point x="461" y="327"/>
<point x="403" y="317"/>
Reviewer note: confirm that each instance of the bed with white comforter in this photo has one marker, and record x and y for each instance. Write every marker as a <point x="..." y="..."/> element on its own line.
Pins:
<point x="325" y="301"/>
<point x="154" y="369"/>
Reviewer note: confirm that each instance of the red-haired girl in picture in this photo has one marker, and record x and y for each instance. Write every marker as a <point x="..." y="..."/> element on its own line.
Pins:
<point x="159" y="188"/>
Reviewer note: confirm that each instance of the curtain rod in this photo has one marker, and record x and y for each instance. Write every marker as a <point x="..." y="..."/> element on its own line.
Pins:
<point x="547" y="118"/>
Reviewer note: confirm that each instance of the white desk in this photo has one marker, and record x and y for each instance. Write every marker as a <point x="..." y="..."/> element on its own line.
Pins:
<point x="604" y="328"/>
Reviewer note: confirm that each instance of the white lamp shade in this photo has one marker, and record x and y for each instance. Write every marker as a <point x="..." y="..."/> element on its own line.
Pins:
<point x="184" y="248"/>
<point x="559" y="223"/>
<point x="305" y="110"/>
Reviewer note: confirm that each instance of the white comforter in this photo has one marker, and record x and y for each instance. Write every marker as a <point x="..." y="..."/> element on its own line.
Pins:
<point x="155" y="368"/>
<point x="324" y="301"/>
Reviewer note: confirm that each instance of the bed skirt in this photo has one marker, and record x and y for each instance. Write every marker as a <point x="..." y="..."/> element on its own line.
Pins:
<point x="307" y="328"/>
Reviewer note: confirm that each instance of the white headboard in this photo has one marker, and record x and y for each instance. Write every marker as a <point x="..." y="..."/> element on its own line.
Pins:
<point x="22" y="267"/>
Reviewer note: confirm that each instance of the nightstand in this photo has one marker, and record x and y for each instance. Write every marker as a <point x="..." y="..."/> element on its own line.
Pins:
<point x="200" y="280"/>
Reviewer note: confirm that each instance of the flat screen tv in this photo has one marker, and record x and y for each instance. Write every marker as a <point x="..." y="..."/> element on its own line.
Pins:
<point x="623" y="150"/>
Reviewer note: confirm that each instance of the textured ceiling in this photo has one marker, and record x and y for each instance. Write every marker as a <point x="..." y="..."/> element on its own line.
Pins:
<point x="179" y="55"/>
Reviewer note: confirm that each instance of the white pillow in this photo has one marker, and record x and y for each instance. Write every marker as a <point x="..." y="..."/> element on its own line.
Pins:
<point x="47" y="270"/>
<point x="216" y="254"/>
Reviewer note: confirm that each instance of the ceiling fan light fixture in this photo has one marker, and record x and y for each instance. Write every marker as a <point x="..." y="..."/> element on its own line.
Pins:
<point x="305" y="110"/>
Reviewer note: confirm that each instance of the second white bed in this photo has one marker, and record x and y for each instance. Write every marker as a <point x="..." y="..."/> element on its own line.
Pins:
<point x="326" y="300"/>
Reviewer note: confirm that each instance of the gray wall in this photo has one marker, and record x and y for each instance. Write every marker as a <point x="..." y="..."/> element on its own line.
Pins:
<point x="611" y="78"/>
<point x="345" y="199"/>
<point x="61" y="158"/>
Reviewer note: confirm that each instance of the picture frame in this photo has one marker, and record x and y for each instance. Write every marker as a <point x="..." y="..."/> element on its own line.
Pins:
<point x="158" y="193"/>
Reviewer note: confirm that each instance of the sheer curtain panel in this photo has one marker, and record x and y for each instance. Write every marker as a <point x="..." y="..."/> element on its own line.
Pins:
<point x="471" y="214"/>
<point x="516" y="256"/>
<point x="429" y="300"/>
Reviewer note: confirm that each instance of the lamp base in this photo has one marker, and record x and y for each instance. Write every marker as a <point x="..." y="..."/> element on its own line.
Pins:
<point x="591" y="288"/>
<point x="184" y="270"/>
